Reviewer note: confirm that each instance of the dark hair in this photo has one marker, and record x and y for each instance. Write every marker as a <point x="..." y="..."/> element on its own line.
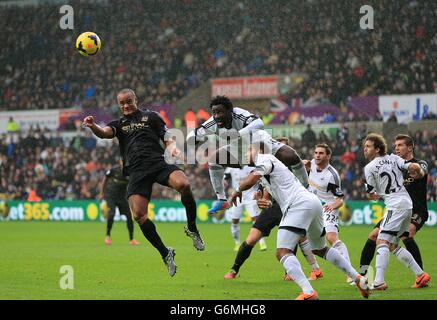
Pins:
<point x="407" y="139"/>
<point x="327" y="148"/>
<point x="378" y="142"/>
<point x="221" y="100"/>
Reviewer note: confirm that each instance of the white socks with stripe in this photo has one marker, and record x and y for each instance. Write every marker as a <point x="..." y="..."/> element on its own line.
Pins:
<point x="305" y="247"/>
<point x="294" y="269"/>
<point x="334" y="256"/>
<point x="407" y="259"/>
<point x="382" y="257"/>
<point x="341" y="247"/>
<point x="216" y="173"/>
<point x="235" y="230"/>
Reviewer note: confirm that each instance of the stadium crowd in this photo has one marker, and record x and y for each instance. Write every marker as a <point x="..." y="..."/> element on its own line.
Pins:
<point x="43" y="164"/>
<point x="164" y="53"/>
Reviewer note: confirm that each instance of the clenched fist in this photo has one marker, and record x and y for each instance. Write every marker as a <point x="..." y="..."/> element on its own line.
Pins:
<point x="88" y="121"/>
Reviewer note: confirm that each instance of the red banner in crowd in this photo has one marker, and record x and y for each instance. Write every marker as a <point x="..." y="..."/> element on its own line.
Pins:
<point x="245" y="87"/>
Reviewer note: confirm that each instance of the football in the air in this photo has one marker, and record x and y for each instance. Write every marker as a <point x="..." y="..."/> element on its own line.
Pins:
<point x="88" y="44"/>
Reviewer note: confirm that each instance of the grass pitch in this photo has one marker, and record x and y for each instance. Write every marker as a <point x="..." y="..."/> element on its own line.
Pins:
<point x="32" y="254"/>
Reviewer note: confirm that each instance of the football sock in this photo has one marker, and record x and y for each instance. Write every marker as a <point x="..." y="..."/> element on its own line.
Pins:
<point x="336" y="258"/>
<point x="305" y="247"/>
<point x="301" y="174"/>
<point x="382" y="257"/>
<point x="294" y="269"/>
<point x="235" y="230"/>
<point x="407" y="259"/>
<point x="216" y="173"/>
<point x="262" y="242"/>
<point x="191" y="210"/>
<point x="149" y="230"/>
<point x="130" y="226"/>
<point x="109" y="222"/>
<point x="367" y="255"/>
<point x="341" y="247"/>
<point x="412" y="247"/>
<point x="242" y="255"/>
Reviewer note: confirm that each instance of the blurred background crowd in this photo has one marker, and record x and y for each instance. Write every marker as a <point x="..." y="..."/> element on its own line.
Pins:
<point x="165" y="53"/>
<point x="40" y="163"/>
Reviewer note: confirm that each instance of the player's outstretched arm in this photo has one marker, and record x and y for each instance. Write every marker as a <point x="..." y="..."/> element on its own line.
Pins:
<point x="103" y="133"/>
<point x="246" y="184"/>
<point x="256" y="124"/>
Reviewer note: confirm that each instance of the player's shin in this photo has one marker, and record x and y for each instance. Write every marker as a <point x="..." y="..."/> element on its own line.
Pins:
<point x="413" y="248"/>
<point x="190" y="208"/>
<point x="242" y="255"/>
<point x="367" y="255"/>
<point x="336" y="258"/>
<point x="407" y="259"/>
<point x="294" y="269"/>
<point x="149" y="230"/>
<point x="341" y="247"/>
<point x="216" y="173"/>
<point x="382" y="258"/>
<point x="305" y="247"/>
<point x="235" y="230"/>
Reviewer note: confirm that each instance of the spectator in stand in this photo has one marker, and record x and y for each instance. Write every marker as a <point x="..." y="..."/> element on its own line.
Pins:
<point x="392" y="118"/>
<point x="309" y="137"/>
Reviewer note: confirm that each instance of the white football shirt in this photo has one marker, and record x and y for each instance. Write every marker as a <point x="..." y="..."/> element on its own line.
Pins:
<point x="326" y="184"/>
<point x="279" y="181"/>
<point x="384" y="176"/>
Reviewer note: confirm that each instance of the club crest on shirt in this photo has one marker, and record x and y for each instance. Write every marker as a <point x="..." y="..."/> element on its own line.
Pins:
<point x="145" y="118"/>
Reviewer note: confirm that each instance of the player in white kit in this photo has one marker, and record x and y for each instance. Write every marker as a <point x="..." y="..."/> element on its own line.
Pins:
<point x="384" y="179"/>
<point x="325" y="183"/>
<point x="233" y="126"/>
<point x="302" y="215"/>
<point x="247" y="202"/>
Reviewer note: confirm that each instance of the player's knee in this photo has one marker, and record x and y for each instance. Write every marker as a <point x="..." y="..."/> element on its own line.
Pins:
<point x="139" y="215"/>
<point x="374" y="234"/>
<point x="280" y="252"/>
<point x="412" y="231"/>
<point x="254" y="236"/>
<point x="331" y="237"/>
<point x="183" y="186"/>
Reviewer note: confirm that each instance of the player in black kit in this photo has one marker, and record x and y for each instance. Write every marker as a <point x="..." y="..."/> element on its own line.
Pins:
<point x="404" y="147"/>
<point x="140" y="133"/>
<point x="113" y="191"/>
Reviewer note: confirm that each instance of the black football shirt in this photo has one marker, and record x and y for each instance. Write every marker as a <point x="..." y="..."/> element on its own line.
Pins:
<point x="140" y="134"/>
<point x="418" y="188"/>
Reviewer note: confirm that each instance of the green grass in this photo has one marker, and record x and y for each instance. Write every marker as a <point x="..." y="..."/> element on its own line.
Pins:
<point x="32" y="253"/>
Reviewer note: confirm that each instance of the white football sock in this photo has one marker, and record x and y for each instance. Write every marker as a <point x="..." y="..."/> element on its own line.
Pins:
<point x="334" y="256"/>
<point x="235" y="230"/>
<point x="294" y="269"/>
<point x="341" y="247"/>
<point x="305" y="247"/>
<point x="262" y="241"/>
<point x="216" y="173"/>
<point x="382" y="257"/>
<point x="407" y="259"/>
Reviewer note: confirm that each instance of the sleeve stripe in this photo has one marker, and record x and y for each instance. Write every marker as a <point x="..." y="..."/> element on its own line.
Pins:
<point x="208" y="125"/>
<point x="115" y="131"/>
<point x="335" y="175"/>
